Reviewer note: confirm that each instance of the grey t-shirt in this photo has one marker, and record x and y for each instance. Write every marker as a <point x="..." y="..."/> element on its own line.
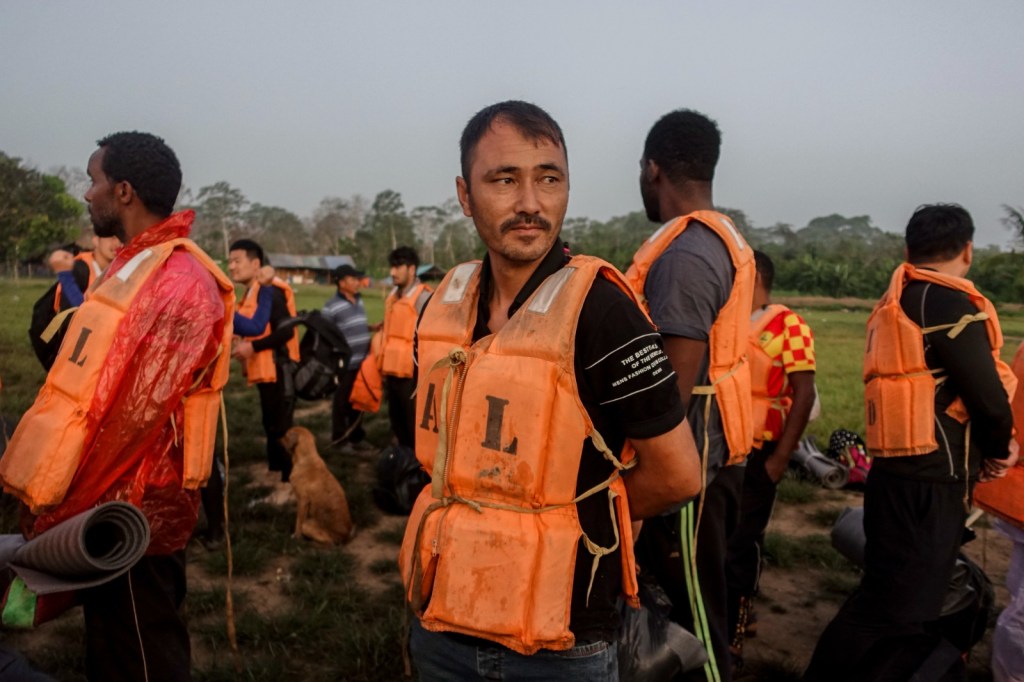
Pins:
<point x="686" y="288"/>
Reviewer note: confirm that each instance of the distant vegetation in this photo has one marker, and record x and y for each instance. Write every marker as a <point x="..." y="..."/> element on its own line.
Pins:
<point x="832" y="255"/>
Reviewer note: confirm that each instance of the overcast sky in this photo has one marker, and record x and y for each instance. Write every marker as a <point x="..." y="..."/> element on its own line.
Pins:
<point x="853" y="108"/>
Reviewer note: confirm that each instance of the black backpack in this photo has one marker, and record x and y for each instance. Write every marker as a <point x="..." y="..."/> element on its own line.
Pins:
<point x="323" y="355"/>
<point x="43" y="313"/>
<point x="400" y="478"/>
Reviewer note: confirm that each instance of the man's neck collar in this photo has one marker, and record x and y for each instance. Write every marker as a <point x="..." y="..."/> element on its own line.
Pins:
<point x="684" y="200"/>
<point x="555" y="258"/>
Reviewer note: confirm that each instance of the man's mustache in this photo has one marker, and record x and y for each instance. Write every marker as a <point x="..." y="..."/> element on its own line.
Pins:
<point x="525" y="220"/>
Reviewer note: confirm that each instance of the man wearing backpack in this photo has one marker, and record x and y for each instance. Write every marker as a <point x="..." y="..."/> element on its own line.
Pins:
<point x="401" y="310"/>
<point x="938" y="420"/>
<point x="75" y="275"/>
<point x="782" y="365"/>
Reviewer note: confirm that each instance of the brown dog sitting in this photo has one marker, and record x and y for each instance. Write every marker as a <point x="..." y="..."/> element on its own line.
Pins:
<point x="323" y="510"/>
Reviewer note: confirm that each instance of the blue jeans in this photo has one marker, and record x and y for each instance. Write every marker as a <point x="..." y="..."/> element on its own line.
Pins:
<point x="443" y="658"/>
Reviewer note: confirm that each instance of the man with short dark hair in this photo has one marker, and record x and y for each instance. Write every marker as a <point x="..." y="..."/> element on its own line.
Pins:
<point x="696" y="275"/>
<point x="347" y="312"/>
<point x="267" y="346"/>
<point x="782" y="366"/>
<point x="129" y="409"/>
<point x="535" y="370"/>
<point x="401" y="310"/>
<point x="937" y="402"/>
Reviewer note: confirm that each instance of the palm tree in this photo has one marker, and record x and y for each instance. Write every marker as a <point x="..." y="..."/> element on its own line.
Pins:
<point x="1014" y="221"/>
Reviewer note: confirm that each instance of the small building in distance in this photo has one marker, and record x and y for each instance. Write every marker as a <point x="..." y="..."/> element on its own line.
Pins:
<point x="306" y="269"/>
<point x="429" y="272"/>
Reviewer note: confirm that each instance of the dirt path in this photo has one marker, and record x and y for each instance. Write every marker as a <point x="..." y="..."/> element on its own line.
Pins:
<point x="791" y="614"/>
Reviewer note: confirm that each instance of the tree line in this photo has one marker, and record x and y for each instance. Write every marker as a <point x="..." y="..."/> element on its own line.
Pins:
<point x="832" y="255"/>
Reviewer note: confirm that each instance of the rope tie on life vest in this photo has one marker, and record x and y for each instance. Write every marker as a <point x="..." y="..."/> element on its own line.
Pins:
<point x="708" y="390"/>
<point x="956" y="327"/>
<point x="967" y="472"/>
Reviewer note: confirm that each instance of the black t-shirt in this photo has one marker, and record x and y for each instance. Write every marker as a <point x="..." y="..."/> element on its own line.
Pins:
<point x="629" y="390"/>
<point x="966" y="362"/>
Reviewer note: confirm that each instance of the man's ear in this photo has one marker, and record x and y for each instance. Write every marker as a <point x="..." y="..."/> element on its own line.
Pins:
<point x="651" y="170"/>
<point x="462" y="191"/>
<point x="124" y="192"/>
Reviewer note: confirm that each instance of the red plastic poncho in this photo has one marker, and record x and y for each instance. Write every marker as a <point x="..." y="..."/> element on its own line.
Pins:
<point x="133" y="446"/>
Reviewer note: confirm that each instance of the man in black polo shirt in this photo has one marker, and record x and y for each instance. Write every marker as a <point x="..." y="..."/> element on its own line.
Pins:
<point x="481" y="541"/>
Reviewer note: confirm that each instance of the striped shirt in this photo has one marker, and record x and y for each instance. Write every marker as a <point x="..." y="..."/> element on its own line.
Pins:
<point x="350" y="319"/>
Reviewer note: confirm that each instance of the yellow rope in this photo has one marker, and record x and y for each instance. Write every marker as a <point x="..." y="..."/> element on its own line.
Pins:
<point x="956" y="327"/>
<point x="229" y="605"/>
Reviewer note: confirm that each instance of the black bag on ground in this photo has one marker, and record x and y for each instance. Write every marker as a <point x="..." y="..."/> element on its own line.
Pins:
<point x="400" y="478"/>
<point x="651" y="646"/>
<point x="968" y="605"/>
<point x="323" y="355"/>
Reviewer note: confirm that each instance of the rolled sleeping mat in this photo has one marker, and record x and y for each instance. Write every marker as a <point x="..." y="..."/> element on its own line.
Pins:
<point x="829" y="473"/>
<point x="848" y="536"/>
<point x="84" y="551"/>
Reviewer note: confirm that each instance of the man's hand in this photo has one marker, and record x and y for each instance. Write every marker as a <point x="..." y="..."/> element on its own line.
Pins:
<point x="61" y="261"/>
<point x="775" y="465"/>
<point x="992" y="469"/>
<point x="243" y="350"/>
<point x="265" y="275"/>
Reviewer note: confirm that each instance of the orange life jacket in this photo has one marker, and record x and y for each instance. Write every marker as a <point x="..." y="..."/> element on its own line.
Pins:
<point x="367" y="389"/>
<point x="261" y="368"/>
<point x="1004" y="497"/>
<point x="400" y="315"/>
<point x="728" y="371"/>
<point x="761" y="364"/>
<point x="899" y="387"/>
<point x="43" y="455"/>
<point x="490" y="547"/>
<point x="94" y="272"/>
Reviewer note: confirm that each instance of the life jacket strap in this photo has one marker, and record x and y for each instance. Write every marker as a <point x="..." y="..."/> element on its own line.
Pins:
<point x="956" y="327"/>
<point x="709" y="389"/>
<point x="55" y="324"/>
<point x="456" y="357"/>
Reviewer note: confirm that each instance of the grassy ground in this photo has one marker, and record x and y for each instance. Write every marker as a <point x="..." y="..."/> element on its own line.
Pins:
<point x="305" y="613"/>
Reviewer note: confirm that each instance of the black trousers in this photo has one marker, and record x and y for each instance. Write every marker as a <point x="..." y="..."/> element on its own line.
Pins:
<point x="745" y="550"/>
<point x="666" y="549"/>
<point x="133" y="625"/>
<point x="277" y="405"/>
<point x="343" y="415"/>
<point x="402" y="409"/>
<point x="886" y="628"/>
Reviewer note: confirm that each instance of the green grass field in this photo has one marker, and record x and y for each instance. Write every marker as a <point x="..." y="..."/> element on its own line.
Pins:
<point x="326" y="627"/>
